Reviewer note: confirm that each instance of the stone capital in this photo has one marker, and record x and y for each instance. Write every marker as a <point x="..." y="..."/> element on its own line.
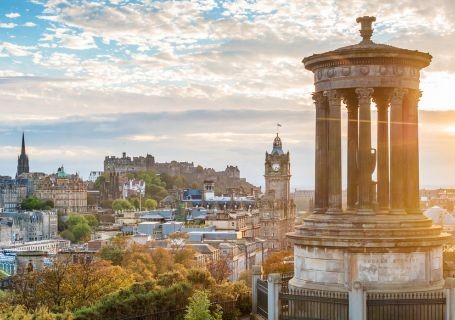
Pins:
<point x="398" y="95"/>
<point x="351" y="101"/>
<point x="382" y="99"/>
<point x="364" y="94"/>
<point x="318" y="98"/>
<point x="413" y="96"/>
<point x="334" y="96"/>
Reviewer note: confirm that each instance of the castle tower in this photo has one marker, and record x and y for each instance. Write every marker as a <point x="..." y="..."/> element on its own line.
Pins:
<point x="22" y="160"/>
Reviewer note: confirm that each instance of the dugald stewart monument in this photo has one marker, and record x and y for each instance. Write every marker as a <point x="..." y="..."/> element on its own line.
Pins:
<point x="381" y="241"/>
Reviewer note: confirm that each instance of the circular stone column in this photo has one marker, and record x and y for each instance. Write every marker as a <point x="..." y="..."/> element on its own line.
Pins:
<point x="383" y="251"/>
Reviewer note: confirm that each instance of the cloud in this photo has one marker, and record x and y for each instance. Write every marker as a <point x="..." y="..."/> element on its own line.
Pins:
<point x="29" y="24"/>
<point x="8" y="25"/>
<point x="12" y="15"/>
<point x="144" y="138"/>
<point x="16" y="50"/>
<point x="164" y="74"/>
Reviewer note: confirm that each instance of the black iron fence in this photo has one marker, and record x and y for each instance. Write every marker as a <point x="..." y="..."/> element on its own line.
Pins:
<point x="262" y="293"/>
<point x="306" y="304"/>
<point x="406" y="306"/>
<point x="285" y="277"/>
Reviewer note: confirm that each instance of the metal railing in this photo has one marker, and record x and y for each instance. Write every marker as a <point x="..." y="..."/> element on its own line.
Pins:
<point x="262" y="294"/>
<point x="285" y="277"/>
<point x="406" y="306"/>
<point x="307" y="304"/>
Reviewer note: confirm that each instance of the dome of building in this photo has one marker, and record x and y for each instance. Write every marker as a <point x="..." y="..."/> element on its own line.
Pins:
<point x="277" y="146"/>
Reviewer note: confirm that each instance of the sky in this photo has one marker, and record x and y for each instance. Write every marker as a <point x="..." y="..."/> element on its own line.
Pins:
<point x="203" y="81"/>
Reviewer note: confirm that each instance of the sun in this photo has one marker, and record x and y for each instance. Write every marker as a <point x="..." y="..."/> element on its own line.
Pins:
<point x="450" y="130"/>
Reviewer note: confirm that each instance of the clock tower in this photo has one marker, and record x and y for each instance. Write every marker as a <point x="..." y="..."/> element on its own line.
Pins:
<point x="277" y="172"/>
<point x="277" y="211"/>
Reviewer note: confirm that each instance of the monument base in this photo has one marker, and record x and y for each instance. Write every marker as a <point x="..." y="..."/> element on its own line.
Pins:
<point x="383" y="252"/>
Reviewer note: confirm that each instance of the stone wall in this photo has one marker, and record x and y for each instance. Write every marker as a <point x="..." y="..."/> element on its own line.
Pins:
<point x="338" y="267"/>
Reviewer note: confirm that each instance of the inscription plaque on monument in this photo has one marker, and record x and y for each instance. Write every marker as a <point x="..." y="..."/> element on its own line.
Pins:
<point x="390" y="267"/>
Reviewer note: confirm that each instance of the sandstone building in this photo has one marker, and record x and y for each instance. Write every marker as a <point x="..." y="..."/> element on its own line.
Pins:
<point x="68" y="192"/>
<point x="277" y="213"/>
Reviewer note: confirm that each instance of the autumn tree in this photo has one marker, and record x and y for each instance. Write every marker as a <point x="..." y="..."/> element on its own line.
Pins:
<point x="138" y="260"/>
<point x="163" y="260"/>
<point x="114" y="251"/>
<point x="53" y="289"/>
<point x="279" y="262"/>
<point x="67" y="286"/>
<point x="91" y="281"/>
<point x="220" y="269"/>
<point x="185" y="257"/>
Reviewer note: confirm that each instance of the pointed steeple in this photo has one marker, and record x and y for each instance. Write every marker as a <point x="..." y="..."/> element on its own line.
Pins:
<point x="23" y="143"/>
<point x="22" y="161"/>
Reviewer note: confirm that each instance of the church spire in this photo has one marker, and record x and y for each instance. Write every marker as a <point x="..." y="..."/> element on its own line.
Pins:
<point x="22" y="161"/>
<point x="23" y="143"/>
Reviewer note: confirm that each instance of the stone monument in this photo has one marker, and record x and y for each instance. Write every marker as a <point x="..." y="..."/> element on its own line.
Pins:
<point x="381" y="239"/>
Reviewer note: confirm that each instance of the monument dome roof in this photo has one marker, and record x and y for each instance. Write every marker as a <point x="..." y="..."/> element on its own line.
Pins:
<point x="367" y="52"/>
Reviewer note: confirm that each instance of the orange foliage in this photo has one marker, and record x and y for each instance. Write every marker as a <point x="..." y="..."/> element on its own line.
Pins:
<point x="279" y="262"/>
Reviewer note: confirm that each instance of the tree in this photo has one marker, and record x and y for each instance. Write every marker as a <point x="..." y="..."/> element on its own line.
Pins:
<point x="185" y="257"/>
<point x="42" y="313"/>
<point x="279" y="262"/>
<point x="114" y="251"/>
<point x="67" y="286"/>
<point x="150" y="204"/>
<point x="121" y="204"/>
<point x="78" y="227"/>
<point x="91" y="281"/>
<point x="199" y="308"/>
<point x="68" y="235"/>
<point x="81" y="232"/>
<point x="100" y="181"/>
<point x="156" y="192"/>
<point x="138" y="261"/>
<point x="92" y="220"/>
<point x="163" y="260"/>
<point x="34" y="203"/>
<point x="220" y="269"/>
<point x="178" y="240"/>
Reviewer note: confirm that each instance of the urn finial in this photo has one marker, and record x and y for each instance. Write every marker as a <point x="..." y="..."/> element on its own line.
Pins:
<point x="366" y="29"/>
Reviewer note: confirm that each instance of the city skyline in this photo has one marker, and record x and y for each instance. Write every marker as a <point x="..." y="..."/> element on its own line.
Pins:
<point x="201" y="81"/>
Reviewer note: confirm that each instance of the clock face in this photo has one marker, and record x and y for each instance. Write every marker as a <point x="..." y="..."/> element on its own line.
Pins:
<point x="275" y="166"/>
